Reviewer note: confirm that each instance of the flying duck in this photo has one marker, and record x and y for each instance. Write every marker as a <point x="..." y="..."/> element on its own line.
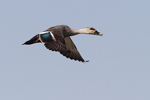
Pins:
<point x="57" y="38"/>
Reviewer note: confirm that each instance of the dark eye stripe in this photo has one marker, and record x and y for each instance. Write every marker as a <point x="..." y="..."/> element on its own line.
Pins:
<point x="92" y="28"/>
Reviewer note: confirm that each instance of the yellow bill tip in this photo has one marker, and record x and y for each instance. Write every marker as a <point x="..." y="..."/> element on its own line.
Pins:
<point x="100" y="34"/>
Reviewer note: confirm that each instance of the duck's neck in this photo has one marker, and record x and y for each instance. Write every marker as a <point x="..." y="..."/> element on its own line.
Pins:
<point x="71" y="32"/>
<point x="79" y="31"/>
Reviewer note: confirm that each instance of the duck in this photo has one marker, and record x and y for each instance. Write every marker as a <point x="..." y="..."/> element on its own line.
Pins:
<point x="57" y="38"/>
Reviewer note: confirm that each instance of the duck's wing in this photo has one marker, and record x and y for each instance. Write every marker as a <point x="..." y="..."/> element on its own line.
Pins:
<point x="56" y="46"/>
<point x="63" y="45"/>
<point x="72" y="50"/>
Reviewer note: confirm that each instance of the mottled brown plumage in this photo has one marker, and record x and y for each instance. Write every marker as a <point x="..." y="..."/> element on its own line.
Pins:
<point x="61" y="40"/>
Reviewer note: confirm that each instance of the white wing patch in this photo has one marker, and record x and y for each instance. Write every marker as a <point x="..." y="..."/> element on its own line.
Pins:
<point x="52" y="36"/>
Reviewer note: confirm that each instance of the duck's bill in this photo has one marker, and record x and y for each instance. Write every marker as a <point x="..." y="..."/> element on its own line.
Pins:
<point x="98" y="33"/>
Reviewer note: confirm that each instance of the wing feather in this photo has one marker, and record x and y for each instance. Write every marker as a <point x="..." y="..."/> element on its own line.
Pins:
<point x="56" y="46"/>
<point x="65" y="46"/>
<point x="73" y="52"/>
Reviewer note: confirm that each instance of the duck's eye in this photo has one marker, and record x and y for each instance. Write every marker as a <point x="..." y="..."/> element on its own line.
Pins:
<point x="92" y="29"/>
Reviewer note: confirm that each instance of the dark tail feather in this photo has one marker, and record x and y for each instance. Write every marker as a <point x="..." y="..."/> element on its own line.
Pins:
<point x="35" y="39"/>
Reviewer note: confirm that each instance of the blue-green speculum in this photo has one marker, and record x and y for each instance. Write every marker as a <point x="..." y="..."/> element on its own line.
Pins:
<point x="45" y="37"/>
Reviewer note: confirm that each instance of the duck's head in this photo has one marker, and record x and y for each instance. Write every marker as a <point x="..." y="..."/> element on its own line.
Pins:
<point x="90" y="30"/>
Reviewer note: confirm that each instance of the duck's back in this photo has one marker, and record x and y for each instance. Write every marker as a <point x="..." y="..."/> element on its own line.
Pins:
<point x="62" y="30"/>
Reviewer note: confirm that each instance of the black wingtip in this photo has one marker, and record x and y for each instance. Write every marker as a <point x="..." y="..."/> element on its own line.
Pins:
<point x="87" y="61"/>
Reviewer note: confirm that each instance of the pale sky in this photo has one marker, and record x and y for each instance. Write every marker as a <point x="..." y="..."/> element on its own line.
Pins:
<point x="119" y="67"/>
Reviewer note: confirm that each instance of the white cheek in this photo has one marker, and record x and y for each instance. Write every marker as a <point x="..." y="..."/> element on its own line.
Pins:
<point x="92" y="32"/>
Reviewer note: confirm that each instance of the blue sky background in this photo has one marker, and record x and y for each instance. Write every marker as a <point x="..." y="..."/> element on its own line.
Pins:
<point x="119" y="67"/>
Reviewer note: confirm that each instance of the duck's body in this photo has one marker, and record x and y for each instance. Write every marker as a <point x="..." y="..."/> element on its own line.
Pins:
<point x="57" y="38"/>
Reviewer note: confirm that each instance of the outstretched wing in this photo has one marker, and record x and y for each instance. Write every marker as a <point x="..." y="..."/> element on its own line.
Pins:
<point x="56" y="46"/>
<point x="65" y="46"/>
<point x="72" y="50"/>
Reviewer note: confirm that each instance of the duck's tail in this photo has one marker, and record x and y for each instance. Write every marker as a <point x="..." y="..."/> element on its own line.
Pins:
<point x="35" y="39"/>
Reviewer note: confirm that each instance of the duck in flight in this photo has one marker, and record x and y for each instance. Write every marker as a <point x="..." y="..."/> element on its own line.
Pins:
<point x="57" y="38"/>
